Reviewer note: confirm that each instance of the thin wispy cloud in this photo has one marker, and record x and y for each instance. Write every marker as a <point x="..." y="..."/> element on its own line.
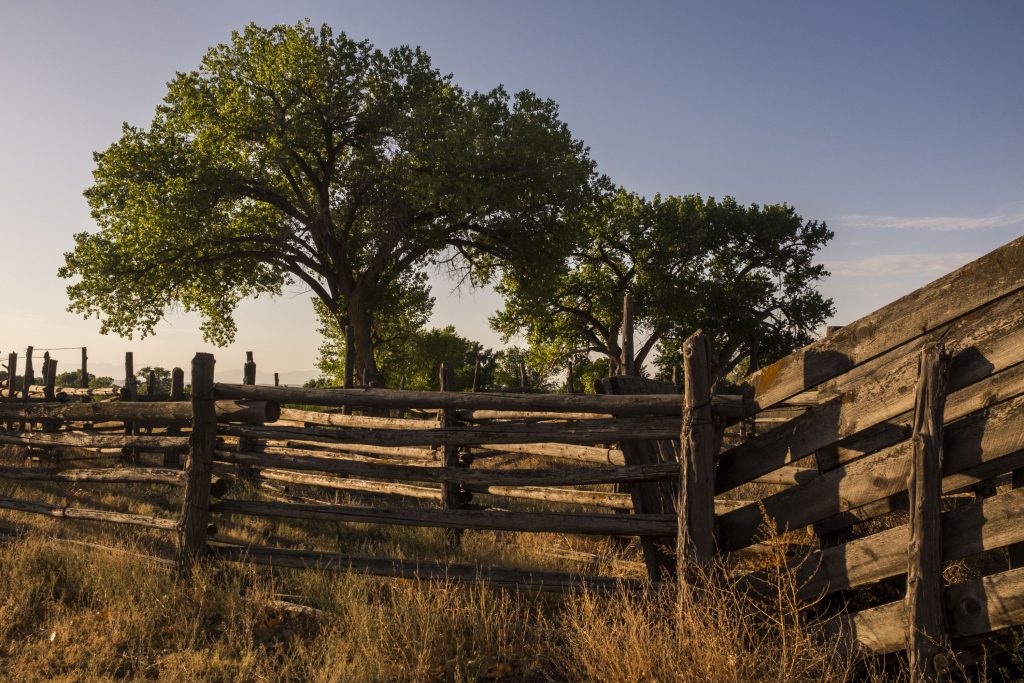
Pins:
<point x="900" y="264"/>
<point x="932" y="223"/>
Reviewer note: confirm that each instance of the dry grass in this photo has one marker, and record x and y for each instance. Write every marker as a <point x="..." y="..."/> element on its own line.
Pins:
<point x="71" y="612"/>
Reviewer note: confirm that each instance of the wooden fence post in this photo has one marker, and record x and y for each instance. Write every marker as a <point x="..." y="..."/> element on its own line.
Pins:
<point x="696" y="509"/>
<point x="245" y="444"/>
<point x="627" y="363"/>
<point x="29" y="376"/>
<point x="46" y="367"/>
<point x="926" y="630"/>
<point x="249" y="371"/>
<point x="172" y="458"/>
<point x="195" y="514"/>
<point x="451" y="492"/>
<point x="131" y="393"/>
<point x="277" y="380"/>
<point x="50" y="378"/>
<point x="83" y="381"/>
<point x="12" y="371"/>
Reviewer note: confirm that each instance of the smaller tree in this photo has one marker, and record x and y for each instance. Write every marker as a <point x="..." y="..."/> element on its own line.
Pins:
<point x="744" y="274"/>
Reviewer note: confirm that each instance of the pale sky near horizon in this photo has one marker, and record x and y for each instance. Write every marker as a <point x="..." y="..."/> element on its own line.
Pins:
<point x="900" y="124"/>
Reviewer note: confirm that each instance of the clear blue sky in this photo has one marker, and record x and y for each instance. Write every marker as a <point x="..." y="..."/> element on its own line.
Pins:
<point x="900" y="124"/>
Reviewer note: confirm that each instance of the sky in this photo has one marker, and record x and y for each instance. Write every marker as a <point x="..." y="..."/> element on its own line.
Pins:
<point x="899" y="124"/>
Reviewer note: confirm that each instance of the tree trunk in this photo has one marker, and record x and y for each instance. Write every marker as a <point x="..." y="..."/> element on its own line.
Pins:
<point x="361" y="320"/>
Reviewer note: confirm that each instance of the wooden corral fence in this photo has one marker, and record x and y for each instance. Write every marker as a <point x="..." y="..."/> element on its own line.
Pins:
<point x="883" y="441"/>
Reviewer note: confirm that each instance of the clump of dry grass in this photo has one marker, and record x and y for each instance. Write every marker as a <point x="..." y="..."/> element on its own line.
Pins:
<point x="76" y="613"/>
<point x="711" y="629"/>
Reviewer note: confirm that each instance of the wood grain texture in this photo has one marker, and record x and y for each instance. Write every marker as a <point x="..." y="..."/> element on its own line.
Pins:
<point x="926" y="623"/>
<point x="196" y="507"/>
<point x="523" y="477"/>
<point x="982" y="344"/>
<point x="992" y="276"/>
<point x="546" y="522"/>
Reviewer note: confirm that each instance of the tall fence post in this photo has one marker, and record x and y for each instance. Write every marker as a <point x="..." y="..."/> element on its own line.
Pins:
<point x="130" y="393"/>
<point x="12" y="372"/>
<point x="46" y="368"/>
<point x="246" y="444"/>
<point x="696" y="509"/>
<point x="249" y="371"/>
<point x="50" y="379"/>
<point x="29" y="377"/>
<point x="926" y="629"/>
<point x="195" y="514"/>
<point x="83" y="381"/>
<point x="451" y="492"/>
<point x="172" y="457"/>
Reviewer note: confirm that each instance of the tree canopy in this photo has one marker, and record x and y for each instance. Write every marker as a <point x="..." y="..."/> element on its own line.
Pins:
<point x="296" y="155"/>
<point x="743" y="274"/>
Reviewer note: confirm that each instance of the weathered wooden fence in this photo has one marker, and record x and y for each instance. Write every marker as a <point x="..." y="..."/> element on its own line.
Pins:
<point x="918" y="408"/>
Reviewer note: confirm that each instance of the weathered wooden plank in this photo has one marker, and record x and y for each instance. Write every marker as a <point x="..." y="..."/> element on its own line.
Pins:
<point x="541" y="522"/>
<point x="250" y="412"/>
<point x="195" y="511"/>
<point x="582" y="432"/>
<point x="524" y="477"/>
<point x="926" y="627"/>
<point x="105" y="475"/>
<point x="88" y="515"/>
<point x="312" y="417"/>
<point x="595" y="454"/>
<point x="726" y="405"/>
<point x="973" y="608"/>
<point x="485" y="415"/>
<point x="972" y="445"/>
<point x="324" y="448"/>
<point x="992" y="276"/>
<point x="696" y="509"/>
<point x="968" y="530"/>
<point x="982" y="344"/>
<point x="89" y="440"/>
<point x="544" y="581"/>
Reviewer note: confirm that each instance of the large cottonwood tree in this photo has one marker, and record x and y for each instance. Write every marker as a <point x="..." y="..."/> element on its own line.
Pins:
<point x="293" y="154"/>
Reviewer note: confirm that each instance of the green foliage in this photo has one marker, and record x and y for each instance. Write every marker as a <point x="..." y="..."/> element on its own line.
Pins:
<point x="71" y="378"/>
<point x="162" y="377"/>
<point x="743" y="274"/>
<point x="100" y="382"/>
<point x="539" y="369"/>
<point x="413" y="360"/>
<point x="297" y="155"/>
<point x="588" y="372"/>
